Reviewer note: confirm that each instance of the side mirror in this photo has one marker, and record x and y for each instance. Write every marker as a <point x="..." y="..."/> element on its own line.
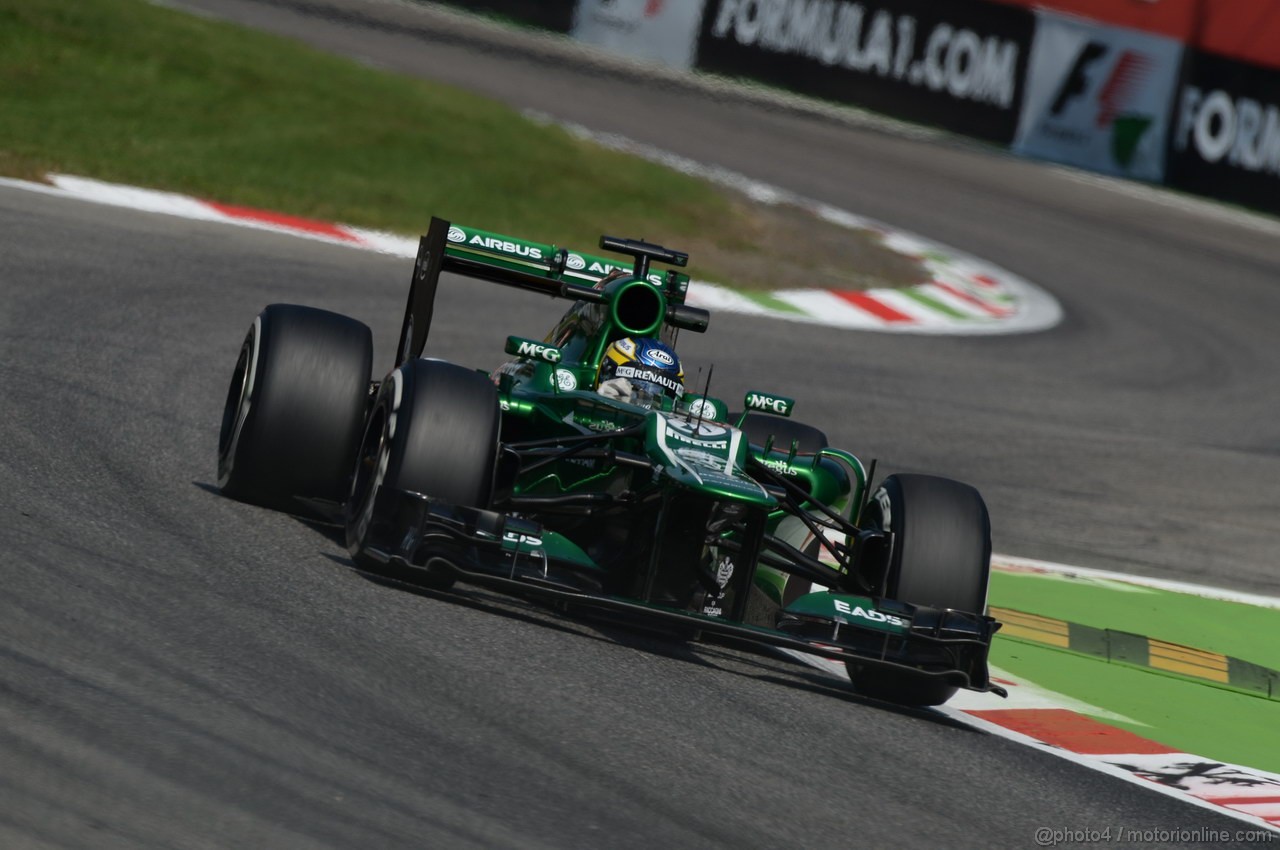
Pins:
<point x="688" y="318"/>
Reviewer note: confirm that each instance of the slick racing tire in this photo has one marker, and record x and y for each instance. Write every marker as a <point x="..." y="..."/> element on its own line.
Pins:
<point x="760" y="426"/>
<point x="295" y="408"/>
<point x="433" y="430"/>
<point x="941" y="558"/>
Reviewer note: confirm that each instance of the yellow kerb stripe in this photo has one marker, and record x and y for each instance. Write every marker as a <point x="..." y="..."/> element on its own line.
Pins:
<point x="1188" y="661"/>
<point x="1033" y="627"/>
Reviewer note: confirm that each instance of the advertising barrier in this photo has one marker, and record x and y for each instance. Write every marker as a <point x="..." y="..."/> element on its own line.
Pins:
<point x="1226" y="134"/>
<point x="1184" y="92"/>
<point x="662" y="30"/>
<point x="1099" y="97"/>
<point x="954" y="65"/>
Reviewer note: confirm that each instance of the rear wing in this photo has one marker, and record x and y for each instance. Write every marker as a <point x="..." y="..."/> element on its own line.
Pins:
<point x="537" y="267"/>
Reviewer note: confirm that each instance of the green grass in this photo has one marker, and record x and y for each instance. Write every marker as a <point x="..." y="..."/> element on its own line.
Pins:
<point x="1242" y="631"/>
<point x="1186" y="715"/>
<point x="1197" y="717"/>
<point x="126" y="91"/>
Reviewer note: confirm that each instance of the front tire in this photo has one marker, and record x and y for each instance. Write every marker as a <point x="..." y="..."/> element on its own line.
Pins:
<point x="941" y="558"/>
<point x="433" y="430"/>
<point x="295" y="407"/>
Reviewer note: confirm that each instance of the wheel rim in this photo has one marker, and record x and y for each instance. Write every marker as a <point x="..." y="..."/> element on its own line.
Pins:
<point x="239" y="399"/>
<point x="371" y="469"/>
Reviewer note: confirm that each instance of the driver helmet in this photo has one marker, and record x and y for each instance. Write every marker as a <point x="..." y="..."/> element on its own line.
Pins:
<point x="650" y="367"/>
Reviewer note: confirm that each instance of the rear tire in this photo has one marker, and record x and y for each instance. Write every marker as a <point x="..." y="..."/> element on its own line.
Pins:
<point x="941" y="558"/>
<point x="295" y="407"/>
<point x="433" y="430"/>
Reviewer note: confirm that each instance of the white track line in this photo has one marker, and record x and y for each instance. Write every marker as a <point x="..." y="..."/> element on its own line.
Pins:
<point x="1034" y="309"/>
<point x="1015" y="306"/>
<point x="1010" y="563"/>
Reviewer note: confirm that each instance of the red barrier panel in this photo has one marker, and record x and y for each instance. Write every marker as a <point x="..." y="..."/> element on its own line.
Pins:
<point x="1173" y="18"/>
<point x="1246" y="30"/>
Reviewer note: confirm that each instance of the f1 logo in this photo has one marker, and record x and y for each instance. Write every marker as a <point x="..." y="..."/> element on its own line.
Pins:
<point x="1077" y="81"/>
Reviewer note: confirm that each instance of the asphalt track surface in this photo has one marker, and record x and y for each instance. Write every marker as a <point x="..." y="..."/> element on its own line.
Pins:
<point x="180" y="670"/>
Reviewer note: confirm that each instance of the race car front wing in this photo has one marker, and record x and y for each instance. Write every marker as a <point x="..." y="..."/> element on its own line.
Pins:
<point x="485" y="548"/>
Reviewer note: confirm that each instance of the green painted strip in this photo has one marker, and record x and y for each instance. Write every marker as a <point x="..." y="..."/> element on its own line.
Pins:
<point x="1129" y="648"/>
<point x="769" y="302"/>
<point x="934" y="304"/>
<point x="1136" y="650"/>
<point x="1261" y="695"/>
<point x="1088" y="640"/>
<point x="1229" y="628"/>
<point x="1243" y="674"/>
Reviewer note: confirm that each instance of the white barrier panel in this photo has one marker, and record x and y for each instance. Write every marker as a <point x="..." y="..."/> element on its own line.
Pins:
<point x="662" y="30"/>
<point x="1098" y="97"/>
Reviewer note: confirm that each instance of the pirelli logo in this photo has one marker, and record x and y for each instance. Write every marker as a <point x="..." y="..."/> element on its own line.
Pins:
<point x="1140" y="651"/>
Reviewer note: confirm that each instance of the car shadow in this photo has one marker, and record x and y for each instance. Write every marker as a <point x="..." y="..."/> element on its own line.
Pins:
<point x="726" y="656"/>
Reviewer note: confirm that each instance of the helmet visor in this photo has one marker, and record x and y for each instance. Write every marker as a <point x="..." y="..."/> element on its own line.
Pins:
<point x="647" y="394"/>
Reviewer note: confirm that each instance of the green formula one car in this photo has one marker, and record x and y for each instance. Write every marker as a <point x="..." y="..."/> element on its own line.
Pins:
<point x="582" y="474"/>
